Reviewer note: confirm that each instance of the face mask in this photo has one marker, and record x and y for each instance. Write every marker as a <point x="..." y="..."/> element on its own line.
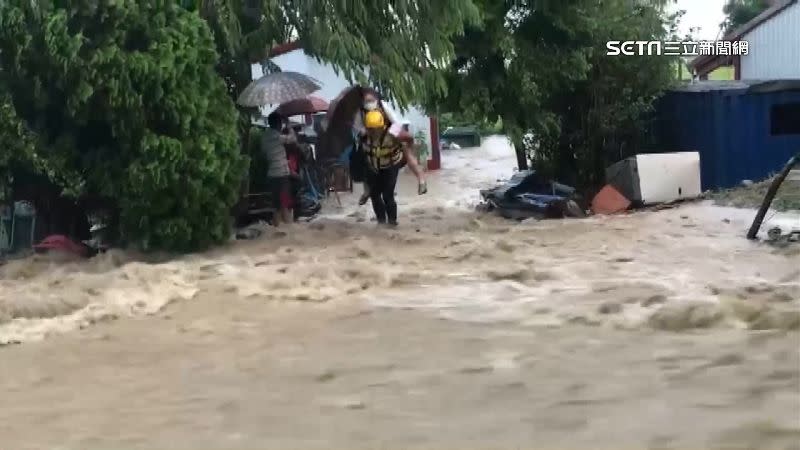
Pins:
<point x="371" y="106"/>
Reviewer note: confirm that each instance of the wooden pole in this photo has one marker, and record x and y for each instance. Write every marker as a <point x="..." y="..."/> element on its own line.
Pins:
<point x="435" y="163"/>
<point x="773" y="189"/>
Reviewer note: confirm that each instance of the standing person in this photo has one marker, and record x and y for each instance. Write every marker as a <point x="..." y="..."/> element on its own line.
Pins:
<point x="273" y="145"/>
<point x="372" y="103"/>
<point x="384" y="156"/>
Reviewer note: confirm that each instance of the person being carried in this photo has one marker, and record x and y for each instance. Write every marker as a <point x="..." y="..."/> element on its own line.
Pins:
<point x="273" y="146"/>
<point x="384" y="155"/>
<point x="373" y="104"/>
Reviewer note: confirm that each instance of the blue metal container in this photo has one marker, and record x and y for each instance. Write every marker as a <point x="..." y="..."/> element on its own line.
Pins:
<point x="738" y="128"/>
<point x="23" y="226"/>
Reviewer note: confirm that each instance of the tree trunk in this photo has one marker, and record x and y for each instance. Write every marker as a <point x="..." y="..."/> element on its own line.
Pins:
<point x="519" y="149"/>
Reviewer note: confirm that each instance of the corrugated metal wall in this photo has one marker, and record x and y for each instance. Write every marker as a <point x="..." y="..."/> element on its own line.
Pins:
<point x="774" y="48"/>
<point x="731" y="129"/>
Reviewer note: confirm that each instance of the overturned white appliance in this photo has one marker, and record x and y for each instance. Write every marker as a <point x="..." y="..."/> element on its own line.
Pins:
<point x="653" y="178"/>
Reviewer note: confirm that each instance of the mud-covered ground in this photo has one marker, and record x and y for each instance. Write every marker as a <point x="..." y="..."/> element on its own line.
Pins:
<point x="652" y="330"/>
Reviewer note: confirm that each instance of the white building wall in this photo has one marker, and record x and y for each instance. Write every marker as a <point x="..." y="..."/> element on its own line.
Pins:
<point x="332" y="84"/>
<point x="774" y="51"/>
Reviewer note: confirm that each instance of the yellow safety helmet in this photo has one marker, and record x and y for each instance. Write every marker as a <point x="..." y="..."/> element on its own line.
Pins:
<point x="374" y="119"/>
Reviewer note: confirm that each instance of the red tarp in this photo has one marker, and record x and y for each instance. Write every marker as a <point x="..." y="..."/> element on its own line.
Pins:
<point x="609" y="201"/>
<point x="62" y="243"/>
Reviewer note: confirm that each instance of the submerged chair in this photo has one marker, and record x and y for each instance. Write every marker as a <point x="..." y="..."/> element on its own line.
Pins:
<point x="337" y="179"/>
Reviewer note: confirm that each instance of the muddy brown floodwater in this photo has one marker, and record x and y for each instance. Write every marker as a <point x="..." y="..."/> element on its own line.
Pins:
<point x="457" y="330"/>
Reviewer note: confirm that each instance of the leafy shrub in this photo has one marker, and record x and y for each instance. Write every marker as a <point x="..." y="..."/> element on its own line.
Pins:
<point x="125" y="94"/>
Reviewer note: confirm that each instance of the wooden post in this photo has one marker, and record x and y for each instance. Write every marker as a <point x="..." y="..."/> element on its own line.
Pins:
<point x="773" y="189"/>
<point x="435" y="163"/>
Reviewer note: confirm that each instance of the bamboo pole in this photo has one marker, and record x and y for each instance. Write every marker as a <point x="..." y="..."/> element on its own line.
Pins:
<point x="773" y="189"/>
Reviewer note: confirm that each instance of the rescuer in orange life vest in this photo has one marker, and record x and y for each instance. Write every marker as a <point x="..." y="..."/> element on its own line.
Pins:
<point x="384" y="154"/>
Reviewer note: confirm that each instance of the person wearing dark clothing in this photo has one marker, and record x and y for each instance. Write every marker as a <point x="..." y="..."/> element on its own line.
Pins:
<point x="382" y="186"/>
<point x="384" y="157"/>
<point x="399" y="131"/>
<point x="273" y="144"/>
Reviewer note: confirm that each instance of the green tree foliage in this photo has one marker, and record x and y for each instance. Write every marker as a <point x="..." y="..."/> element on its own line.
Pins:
<point x="389" y="44"/>
<point x="18" y="152"/>
<point x="130" y="101"/>
<point x="541" y="67"/>
<point x="455" y="120"/>
<point x="739" y="12"/>
<point x="125" y="94"/>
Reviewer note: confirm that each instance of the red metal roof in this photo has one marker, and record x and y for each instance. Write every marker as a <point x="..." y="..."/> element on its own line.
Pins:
<point x="286" y="47"/>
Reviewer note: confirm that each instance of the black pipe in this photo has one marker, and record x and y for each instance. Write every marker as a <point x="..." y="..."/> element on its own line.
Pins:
<point x="773" y="189"/>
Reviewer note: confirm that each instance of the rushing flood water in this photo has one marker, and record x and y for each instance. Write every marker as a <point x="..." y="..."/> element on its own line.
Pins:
<point x="651" y="330"/>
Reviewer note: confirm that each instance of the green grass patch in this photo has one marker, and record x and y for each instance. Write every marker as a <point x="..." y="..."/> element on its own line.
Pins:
<point x="722" y="73"/>
<point x="787" y="198"/>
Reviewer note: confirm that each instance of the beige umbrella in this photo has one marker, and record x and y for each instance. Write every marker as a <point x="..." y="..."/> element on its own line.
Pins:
<point x="276" y="88"/>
